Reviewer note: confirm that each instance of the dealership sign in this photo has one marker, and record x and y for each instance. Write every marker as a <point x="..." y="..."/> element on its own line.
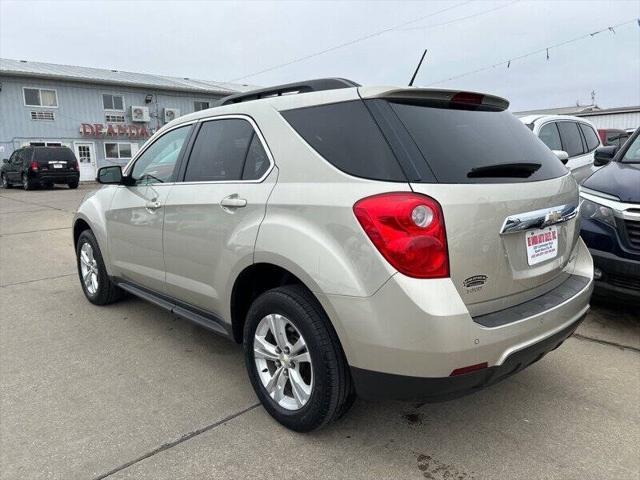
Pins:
<point x="113" y="130"/>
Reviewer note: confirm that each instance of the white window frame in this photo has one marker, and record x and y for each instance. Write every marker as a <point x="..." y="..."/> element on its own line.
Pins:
<point x="24" y="96"/>
<point x="124" y="107"/>
<point x="208" y="102"/>
<point x="131" y="147"/>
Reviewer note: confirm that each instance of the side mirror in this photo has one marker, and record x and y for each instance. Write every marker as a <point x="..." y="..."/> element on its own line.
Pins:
<point x="110" y="175"/>
<point x="604" y="155"/>
<point x="5" y="160"/>
<point x="562" y="156"/>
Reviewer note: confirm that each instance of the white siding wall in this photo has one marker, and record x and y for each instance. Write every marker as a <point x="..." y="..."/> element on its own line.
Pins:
<point x="615" y="120"/>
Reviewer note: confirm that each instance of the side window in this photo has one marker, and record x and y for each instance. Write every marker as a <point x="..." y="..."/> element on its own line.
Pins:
<point x="550" y="136"/>
<point x="257" y="161"/>
<point x="157" y="163"/>
<point x="219" y="151"/>
<point x="590" y="136"/>
<point x="571" y="140"/>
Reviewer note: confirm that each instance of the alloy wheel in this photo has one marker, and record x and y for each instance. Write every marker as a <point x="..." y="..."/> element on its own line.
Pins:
<point x="89" y="269"/>
<point x="283" y="362"/>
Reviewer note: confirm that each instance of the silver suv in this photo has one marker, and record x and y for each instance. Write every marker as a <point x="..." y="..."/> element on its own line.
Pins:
<point x="387" y="242"/>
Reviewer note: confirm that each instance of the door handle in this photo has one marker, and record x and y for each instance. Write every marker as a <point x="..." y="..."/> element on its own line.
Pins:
<point x="233" y="201"/>
<point x="152" y="206"/>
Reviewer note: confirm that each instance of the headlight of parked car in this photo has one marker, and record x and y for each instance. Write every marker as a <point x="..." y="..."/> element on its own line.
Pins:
<point x="595" y="211"/>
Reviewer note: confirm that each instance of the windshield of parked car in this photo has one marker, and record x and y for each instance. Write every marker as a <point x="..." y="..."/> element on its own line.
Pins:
<point x="632" y="155"/>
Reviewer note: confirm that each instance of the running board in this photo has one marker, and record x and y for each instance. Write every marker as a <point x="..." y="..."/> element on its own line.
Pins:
<point x="197" y="316"/>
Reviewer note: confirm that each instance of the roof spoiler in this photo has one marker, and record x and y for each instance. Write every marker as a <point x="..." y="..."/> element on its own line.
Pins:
<point x="427" y="95"/>
<point x="317" y="85"/>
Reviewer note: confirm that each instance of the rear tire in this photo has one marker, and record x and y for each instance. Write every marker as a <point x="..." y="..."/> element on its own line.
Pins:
<point x="73" y="185"/>
<point x="329" y="391"/>
<point x="27" y="184"/>
<point x="5" y="182"/>
<point x="95" y="282"/>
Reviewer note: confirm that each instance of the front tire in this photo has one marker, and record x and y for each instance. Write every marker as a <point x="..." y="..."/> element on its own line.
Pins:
<point x="5" y="182"/>
<point x="294" y="359"/>
<point x="73" y="185"/>
<point x="95" y="282"/>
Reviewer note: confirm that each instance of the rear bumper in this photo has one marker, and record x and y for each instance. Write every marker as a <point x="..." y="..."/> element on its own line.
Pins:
<point x="422" y="328"/>
<point x="55" y="177"/>
<point x="377" y="385"/>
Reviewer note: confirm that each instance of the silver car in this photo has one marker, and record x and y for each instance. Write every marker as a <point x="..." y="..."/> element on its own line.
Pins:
<point x="387" y="242"/>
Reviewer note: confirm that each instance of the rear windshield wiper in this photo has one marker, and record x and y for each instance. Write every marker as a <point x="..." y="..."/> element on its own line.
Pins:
<point x="512" y="170"/>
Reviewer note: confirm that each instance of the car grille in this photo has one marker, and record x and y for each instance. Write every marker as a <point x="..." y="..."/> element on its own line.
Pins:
<point x="633" y="233"/>
<point x="624" y="282"/>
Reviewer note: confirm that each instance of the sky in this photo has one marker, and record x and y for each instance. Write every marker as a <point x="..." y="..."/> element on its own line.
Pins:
<point x="382" y="43"/>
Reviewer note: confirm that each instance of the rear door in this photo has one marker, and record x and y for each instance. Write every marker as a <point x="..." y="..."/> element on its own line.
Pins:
<point x="498" y="185"/>
<point x="580" y="159"/>
<point x="213" y="214"/>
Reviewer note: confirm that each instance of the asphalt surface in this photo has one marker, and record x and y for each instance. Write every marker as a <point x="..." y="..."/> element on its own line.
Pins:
<point x="130" y="391"/>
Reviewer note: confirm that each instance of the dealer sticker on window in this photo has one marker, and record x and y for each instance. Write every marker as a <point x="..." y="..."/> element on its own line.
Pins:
<point x="542" y="245"/>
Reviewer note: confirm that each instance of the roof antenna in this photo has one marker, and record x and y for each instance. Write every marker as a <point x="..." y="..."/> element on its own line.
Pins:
<point x="417" y="68"/>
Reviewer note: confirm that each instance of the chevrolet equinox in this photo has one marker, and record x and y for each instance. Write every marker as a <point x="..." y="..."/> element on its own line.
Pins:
<point x="387" y="242"/>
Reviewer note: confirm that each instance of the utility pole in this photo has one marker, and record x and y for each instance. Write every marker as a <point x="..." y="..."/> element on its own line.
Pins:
<point x="417" y="68"/>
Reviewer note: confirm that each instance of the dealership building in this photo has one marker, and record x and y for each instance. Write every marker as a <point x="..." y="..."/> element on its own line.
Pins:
<point x="104" y="116"/>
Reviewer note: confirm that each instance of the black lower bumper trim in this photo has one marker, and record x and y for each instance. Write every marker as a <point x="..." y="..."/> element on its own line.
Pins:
<point x="378" y="385"/>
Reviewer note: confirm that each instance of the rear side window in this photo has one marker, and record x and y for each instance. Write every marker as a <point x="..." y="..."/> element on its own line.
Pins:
<point x="219" y="151"/>
<point x="475" y="146"/>
<point x="346" y="135"/>
<point x="590" y="136"/>
<point x="571" y="141"/>
<point x="550" y="136"/>
<point x="257" y="161"/>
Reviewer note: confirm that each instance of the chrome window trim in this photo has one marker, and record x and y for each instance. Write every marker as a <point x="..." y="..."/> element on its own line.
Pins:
<point x="263" y="142"/>
<point x="620" y="209"/>
<point x="537" y="219"/>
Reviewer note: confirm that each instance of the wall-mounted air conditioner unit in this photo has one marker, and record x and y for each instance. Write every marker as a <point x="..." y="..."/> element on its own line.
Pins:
<point x="171" y="114"/>
<point x="139" y="114"/>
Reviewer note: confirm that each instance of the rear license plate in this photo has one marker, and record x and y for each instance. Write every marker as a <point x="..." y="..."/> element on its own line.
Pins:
<point x="541" y="245"/>
<point x="57" y="165"/>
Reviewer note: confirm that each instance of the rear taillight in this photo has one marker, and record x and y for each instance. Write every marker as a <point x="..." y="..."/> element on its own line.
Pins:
<point x="408" y="230"/>
<point x="34" y="166"/>
<point x="75" y="166"/>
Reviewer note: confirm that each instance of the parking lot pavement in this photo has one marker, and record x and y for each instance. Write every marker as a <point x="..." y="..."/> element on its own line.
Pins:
<point x="130" y="391"/>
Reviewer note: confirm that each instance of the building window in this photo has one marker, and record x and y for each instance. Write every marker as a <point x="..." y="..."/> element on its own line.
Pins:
<point x="111" y="118"/>
<point x="40" y="97"/>
<point x="197" y="106"/>
<point x="113" y="102"/>
<point x="117" y="151"/>
<point x="42" y="116"/>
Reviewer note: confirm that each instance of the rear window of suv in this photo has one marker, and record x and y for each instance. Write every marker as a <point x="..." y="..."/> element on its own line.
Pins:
<point x="45" y="154"/>
<point x="394" y="141"/>
<point x="475" y="146"/>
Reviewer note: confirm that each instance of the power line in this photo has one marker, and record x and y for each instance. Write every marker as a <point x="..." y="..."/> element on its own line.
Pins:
<point x="459" y="19"/>
<point x="508" y="62"/>
<point x="350" y="42"/>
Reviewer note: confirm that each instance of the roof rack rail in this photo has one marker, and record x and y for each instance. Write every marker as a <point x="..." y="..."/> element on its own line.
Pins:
<point x="290" y="88"/>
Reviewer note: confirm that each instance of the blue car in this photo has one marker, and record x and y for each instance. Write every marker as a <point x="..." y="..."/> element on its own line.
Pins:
<point x="610" y="224"/>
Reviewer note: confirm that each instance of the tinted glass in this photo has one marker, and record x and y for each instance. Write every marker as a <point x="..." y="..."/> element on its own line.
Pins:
<point x="111" y="150"/>
<point x="550" y="136"/>
<point x="158" y="162"/>
<point x="31" y="96"/>
<point x="219" y="151"/>
<point x="590" y="136"/>
<point x="456" y="142"/>
<point x="571" y="141"/>
<point x="44" y="154"/>
<point x="118" y="103"/>
<point x="257" y="161"/>
<point x="346" y="135"/>
<point x="107" y="102"/>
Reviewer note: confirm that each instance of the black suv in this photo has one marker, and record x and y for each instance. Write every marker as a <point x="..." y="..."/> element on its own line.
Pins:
<point x="34" y="166"/>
